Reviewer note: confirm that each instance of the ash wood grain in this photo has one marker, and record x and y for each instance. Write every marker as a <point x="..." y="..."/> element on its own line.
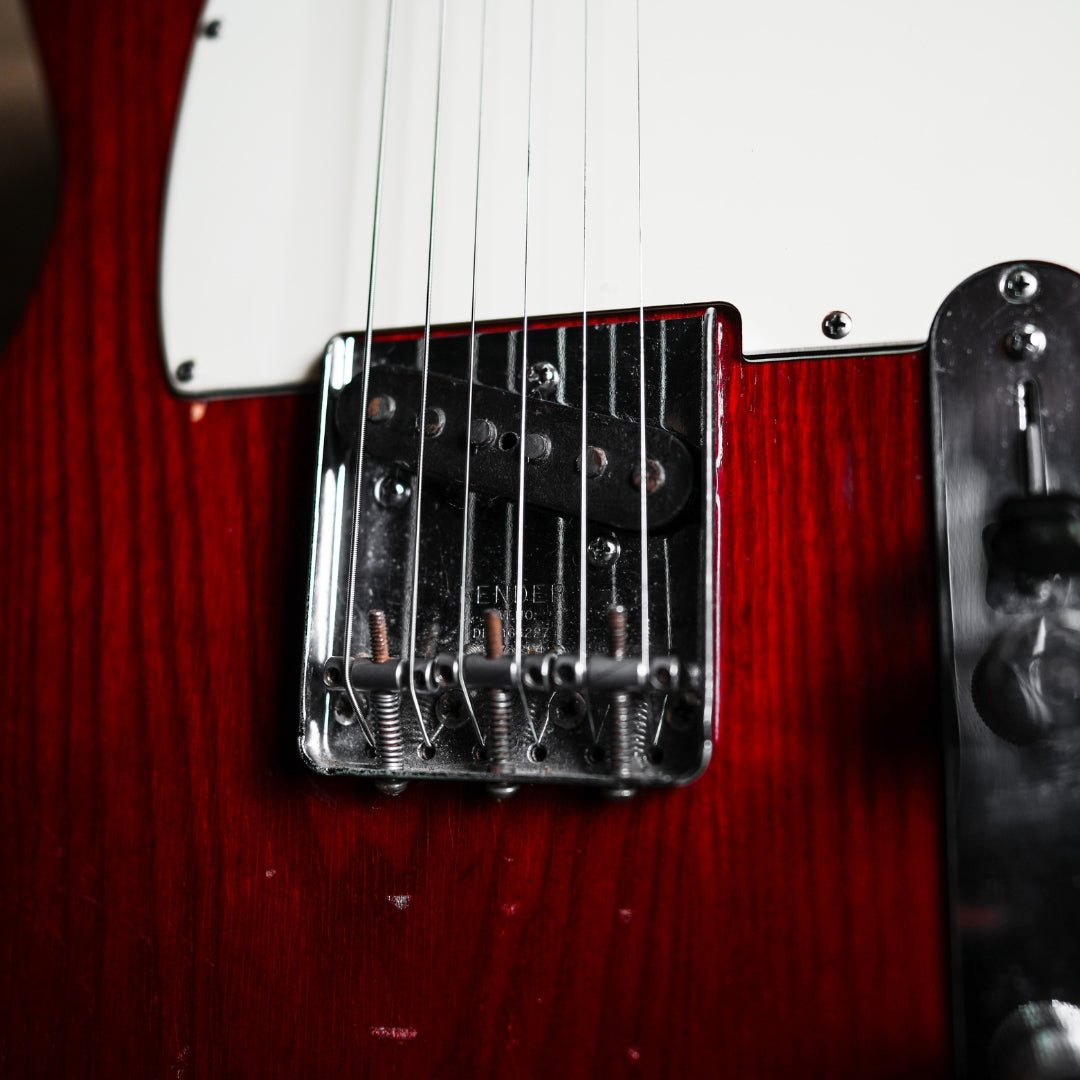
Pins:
<point x="180" y="899"/>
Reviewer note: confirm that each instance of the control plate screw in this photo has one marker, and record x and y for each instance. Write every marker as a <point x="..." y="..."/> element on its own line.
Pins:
<point x="1025" y="341"/>
<point x="1019" y="285"/>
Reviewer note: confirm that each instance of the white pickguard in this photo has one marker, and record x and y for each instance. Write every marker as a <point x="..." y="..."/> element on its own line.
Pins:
<point x="797" y="158"/>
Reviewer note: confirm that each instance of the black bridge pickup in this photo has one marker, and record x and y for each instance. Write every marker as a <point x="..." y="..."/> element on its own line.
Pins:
<point x="552" y="447"/>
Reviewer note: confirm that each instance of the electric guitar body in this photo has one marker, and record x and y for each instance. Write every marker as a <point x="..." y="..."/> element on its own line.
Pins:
<point x="182" y="896"/>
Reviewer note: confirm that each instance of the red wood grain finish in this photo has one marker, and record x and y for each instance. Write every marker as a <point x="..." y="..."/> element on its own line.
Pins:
<point x="180" y="898"/>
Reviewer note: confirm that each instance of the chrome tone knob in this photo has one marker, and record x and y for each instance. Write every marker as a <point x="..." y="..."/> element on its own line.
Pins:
<point x="1038" y="1041"/>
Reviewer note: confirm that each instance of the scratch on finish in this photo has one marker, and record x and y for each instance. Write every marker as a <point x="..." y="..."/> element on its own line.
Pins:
<point x="271" y="873"/>
<point x="400" y="902"/>
<point x="510" y="908"/>
<point x="401" y="1034"/>
<point x="625" y="915"/>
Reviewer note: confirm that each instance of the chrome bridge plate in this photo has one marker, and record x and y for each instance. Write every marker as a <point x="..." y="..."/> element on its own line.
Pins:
<point x="616" y="720"/>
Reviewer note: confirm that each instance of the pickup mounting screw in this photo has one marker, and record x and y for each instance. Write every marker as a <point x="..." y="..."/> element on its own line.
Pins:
<point x="1019" y="285"/>
<point x="836" y="325"/>
<point x="544" y="379"/>
<point x="1025" y="342"/>
<point x="386" y="708"/>
<point x="497" y="702"/>
<point x="185" y="371"/>
<point x="603" y="551"/>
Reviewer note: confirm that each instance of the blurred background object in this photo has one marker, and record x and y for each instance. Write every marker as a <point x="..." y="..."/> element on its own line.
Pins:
<point x="29" y="165"/>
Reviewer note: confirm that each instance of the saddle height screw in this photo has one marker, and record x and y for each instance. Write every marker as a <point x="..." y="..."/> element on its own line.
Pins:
<point x="497" y="706"/>
<point x="1019" y="285"/>
<point x="836" y="325"/>
<point x="622" y="735"/>
<point x="386" y="708"/>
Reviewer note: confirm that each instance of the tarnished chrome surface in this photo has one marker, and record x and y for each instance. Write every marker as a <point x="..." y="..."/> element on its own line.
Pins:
<point x="29" y="164"/>
<point x="616" y="716"/>
<point x="1005" y="386"/>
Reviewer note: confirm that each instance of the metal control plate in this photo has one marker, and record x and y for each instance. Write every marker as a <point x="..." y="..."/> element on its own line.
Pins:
<point x="1005" y="378"/>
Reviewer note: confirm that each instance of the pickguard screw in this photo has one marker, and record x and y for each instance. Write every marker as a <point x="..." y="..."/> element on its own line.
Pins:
<point x="392" y="491"/>
<point x="1025" y="342"/>
<point x="386" y="708"/>
<point x="595" y="460"/>
<point x="497" y="706"/>
<point x="185" y="371"/>
<point x="603" y="551"/>
<point x="381" y="408"/>
<point x="212" y="29"/>
<point x="544" y="379"/>
<point x="836" y="325"/>
<point x="654" y="476"/>
<point x="1019" y="285"/>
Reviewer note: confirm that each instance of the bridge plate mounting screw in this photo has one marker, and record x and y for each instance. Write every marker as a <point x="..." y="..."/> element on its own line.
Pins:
<point x="603" y="551"/>
<point x="1019" y="285"/>
<point x="836" y="325"/>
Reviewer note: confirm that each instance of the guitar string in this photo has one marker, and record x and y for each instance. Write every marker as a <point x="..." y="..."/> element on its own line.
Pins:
<point x="518" y="599"/>
<point x="469" y="498"/>
<point x="350" y="612"/>
<point x="642" y="460"/>
<point x="422" y="412"/>
<point x="583" y="554"/>
<point x="666" y="542"/>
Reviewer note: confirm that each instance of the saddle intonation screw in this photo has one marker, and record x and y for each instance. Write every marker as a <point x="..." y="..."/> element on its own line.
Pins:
<point x="497" y="706"/>
<point x="386" y="708"/>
